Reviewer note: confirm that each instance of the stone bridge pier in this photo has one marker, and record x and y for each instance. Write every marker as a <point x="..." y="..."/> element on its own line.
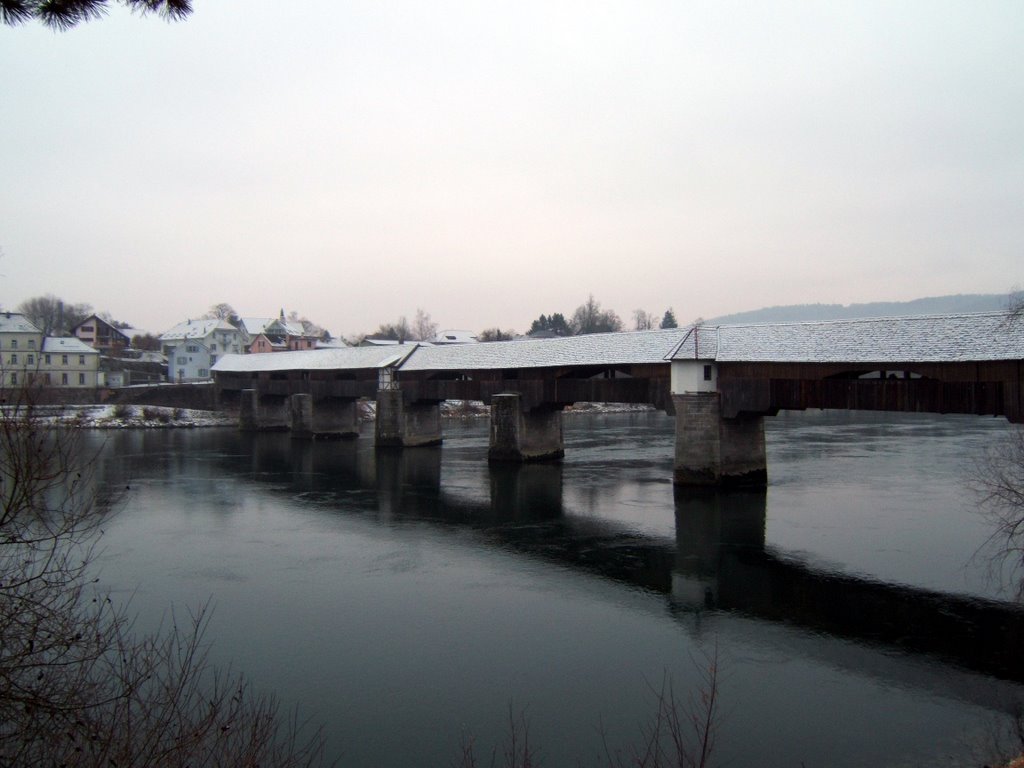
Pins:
<point x="262" y="413"/>
<point x="524" y="434"/>
<point x="327" y="417"/>
<point x="715" y="451"/>
<point x="402" y="424"/>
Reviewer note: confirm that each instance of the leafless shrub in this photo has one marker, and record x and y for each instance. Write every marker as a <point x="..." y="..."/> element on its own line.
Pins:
<point x="682" y="733"/>
<point x="161" y="415"/>
<point x="999" y="481"/>
<point x="517" y="751"/>
<point x="77" y="686"/>
<point x="122" y="411"/>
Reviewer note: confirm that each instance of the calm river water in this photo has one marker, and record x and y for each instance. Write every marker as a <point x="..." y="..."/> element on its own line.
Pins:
<point x="408" y="600"/>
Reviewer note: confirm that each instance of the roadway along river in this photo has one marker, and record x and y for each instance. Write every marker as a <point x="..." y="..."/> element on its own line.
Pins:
<point x="408" y="600"/>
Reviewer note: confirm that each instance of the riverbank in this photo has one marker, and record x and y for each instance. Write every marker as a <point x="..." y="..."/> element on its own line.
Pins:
<point x="123" y="416"/>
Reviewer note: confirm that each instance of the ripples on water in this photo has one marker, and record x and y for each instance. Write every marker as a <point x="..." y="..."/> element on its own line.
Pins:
<point x="409" y="598"/>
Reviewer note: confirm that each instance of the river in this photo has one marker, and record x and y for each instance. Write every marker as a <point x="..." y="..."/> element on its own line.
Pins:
<point x="410" y="600"/>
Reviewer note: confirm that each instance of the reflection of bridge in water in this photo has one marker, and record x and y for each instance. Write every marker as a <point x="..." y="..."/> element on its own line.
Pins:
<point x="717" y="561"/>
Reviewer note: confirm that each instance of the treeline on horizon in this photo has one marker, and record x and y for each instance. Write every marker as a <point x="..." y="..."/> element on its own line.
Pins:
<point x="56" y="317"/>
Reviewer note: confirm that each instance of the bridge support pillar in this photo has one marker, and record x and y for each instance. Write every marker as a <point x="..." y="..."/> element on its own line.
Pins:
<point x="406" y="425"/>
<point x="300" y="416"/>
<point x="262" y="413"/>
<point x="248" y="405"/>
<point x="326" y="418"/>
<point x="524" y="435"/>
<point x="715" y="451"/>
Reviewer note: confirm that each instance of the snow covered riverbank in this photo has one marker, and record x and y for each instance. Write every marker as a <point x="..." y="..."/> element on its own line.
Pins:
<point x="130" y="416"/>
<point x="158" y="417"/>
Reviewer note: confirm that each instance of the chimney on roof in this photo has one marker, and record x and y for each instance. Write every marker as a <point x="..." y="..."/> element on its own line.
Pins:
<point x="282" y="314"/>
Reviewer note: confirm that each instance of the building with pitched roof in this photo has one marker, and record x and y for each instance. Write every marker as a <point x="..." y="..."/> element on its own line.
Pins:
<point x="193" y="347"/>
<point x="102" y="335"/>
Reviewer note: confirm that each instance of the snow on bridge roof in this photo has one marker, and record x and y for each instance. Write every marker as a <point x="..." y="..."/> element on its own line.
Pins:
<point x="334" y="359"/>
<point x="637" y="347"/>
<point x="914" y="339"/>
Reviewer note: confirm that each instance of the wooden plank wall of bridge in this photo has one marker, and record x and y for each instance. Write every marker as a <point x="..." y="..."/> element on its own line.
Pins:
<point x="541" y="392"/>
<point x="538" y="388"/>
<point x="985" y="388"/>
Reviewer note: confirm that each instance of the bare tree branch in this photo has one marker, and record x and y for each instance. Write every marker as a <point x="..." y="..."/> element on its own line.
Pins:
<point x="77" y="685"/>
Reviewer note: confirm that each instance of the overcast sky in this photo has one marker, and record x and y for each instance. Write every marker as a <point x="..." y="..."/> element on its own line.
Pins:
<point x="491" y="161"/>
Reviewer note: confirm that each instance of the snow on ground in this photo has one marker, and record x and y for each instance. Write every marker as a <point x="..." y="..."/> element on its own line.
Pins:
<point x="152" y="416"/>
<point x="124" y="416"/>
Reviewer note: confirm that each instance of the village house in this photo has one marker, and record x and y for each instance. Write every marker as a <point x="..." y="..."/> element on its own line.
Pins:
<point x="69" y="362"/>
<point x="277" y="335"/>
<point x="193" y="347"/>
<point x="101" y="335"/>
<point x="29" y="358"/>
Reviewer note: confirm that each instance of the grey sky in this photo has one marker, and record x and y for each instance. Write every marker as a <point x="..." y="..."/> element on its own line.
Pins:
<point x="492" y="161"/>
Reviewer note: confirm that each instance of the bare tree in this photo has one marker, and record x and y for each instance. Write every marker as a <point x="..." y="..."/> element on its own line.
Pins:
<point x="77" y="686"/>
<point x="397" y="331"/>
<point x="999" y="480"/>
<point x="222" y="311"/>
<point x="64" y="14"/>
<point x="423" y="328"/>
<point x="590" y="318"/>
<point x="642" y="320"/>
<point x="496" y="334"/>
<point x="52" y="315"/>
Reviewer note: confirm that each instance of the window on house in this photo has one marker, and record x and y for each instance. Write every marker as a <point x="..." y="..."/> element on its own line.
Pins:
<point x="81" y="378"/>
<point x="30" y="359"/>
<point x="191" y="348"/>
<point x="203" y="372"/>
<point x="213" y="359"/>
<point x="14" y="378"/>
<point x="46" y="378"/>
<point x="181" y="361"/>
<point x="31" y="343"/>
<point x="81" y="359"/>
<point x="14" y="343"/>
<point x="213" y="347"/>
<point x="48" y="361"/>
<point x="64" y="379"/>
<point x="707" y="373"/>
<point x="14" y="359"/>
<point x="64" y="361"/>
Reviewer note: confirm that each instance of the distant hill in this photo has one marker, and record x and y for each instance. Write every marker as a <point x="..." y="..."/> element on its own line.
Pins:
<point x="936" y="305"/>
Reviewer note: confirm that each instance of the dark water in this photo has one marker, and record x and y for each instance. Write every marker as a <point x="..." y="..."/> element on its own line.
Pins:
<point x="409" y="599"/>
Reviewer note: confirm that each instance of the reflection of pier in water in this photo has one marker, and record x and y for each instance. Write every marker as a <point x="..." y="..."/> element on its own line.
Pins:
<point x="718" y="560"/>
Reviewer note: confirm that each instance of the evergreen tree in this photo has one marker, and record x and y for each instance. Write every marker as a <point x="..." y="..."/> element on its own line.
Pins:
<point x="669" y="320"/>
<point x="67" y="13"/>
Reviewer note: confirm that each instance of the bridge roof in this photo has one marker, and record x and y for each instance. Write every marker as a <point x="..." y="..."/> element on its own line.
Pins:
<point x="915" y="339"/>
<point x="598" y="349"/>
<point x="334" y="359"/>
